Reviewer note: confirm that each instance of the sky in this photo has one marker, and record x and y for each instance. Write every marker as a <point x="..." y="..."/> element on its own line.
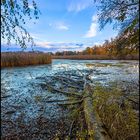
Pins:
<point x="67" y="25"/>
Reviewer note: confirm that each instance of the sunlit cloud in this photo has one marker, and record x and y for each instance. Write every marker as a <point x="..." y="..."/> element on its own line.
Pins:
<point x="47" y="46"/>
<point x="61" y="46"/>
<point x="92" y="32"/>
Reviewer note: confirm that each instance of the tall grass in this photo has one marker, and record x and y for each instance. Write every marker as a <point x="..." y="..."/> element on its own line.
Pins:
<point x="13" y="59"/>
<point x="118" y="116"/>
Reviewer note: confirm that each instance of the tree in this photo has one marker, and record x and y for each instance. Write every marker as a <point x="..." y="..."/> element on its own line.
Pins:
<point x="89" y="51"/>
<point x="124" y="14"/>
<point x="13" y="18"/>
<point x="110" y="47"/>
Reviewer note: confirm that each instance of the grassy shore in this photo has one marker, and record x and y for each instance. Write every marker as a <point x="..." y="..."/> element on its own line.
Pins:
<point x="118" y="113"/>
<point x="97" y="57"/>
<point x="17" y="59"/>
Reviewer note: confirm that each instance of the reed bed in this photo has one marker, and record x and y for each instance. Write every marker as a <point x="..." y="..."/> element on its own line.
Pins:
<point x="17" y="59"/>
<point x="96" y="57"/>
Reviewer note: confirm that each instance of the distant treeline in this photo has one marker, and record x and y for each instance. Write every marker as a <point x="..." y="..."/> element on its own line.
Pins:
<point x="96" y="57"/>
<point x="117" y="48"/>
<point x="12" y="59"/>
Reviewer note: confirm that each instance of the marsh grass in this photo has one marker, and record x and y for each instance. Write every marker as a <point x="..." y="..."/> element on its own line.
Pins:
<point x="16" y="59"/>
<point x="118" y="117"/>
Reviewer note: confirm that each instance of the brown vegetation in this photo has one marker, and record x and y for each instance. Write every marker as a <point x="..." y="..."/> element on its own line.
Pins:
<point x="96" y="57"/>
<point x="13" y="59"/>
<point x="118" y="115"/>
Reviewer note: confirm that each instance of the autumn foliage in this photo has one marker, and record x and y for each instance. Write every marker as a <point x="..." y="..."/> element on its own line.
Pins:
<point x="117" y="48"/>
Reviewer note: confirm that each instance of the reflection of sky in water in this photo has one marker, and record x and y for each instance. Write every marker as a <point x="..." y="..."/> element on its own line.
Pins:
<point x="21" y="84"/>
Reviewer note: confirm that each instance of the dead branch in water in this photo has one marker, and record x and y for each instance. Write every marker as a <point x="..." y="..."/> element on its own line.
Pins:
<point x="61" y="82"/>
<point x="56" y="101"/>
<point x="71" y="103"/>
<point x="63" y="92"/>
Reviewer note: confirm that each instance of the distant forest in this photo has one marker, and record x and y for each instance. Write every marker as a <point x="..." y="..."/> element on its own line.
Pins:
<point x="118" y="47"/>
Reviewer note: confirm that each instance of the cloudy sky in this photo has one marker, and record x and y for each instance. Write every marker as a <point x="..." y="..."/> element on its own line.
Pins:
<point x="67" y="25"/>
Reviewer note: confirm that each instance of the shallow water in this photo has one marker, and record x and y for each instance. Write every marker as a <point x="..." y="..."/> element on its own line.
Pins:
<point x="23" y="97"/>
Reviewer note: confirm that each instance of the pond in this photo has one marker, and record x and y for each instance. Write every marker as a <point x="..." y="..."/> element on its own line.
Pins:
<point x="23" y="99"/>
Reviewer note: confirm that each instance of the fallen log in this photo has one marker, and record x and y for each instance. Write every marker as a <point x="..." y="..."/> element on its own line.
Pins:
<point x="94" y="130"/>
<point x="63" y="92"/>
<point x="68" y="83"/>
<point x="56" y="101"/>
<point x="71" y="80"/>
<point x="72" y="103"/>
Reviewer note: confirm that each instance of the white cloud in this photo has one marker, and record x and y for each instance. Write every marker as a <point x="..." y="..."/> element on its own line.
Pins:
<point x="35" y="36"/>
<point x="59" y="26"/>
<point x="61" y="46"/>
<point x="58" y="46"/>
<point x="79" y="5"/>
<point x="46" y="44"/>
<point x="98" y="43"/>
<point x="94" y="18"/>
<point x="62" y="27"/>
<point x="92" y="32"/>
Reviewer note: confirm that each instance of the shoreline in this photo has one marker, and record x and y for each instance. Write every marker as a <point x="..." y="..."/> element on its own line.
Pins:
<point x="96" y="57"/>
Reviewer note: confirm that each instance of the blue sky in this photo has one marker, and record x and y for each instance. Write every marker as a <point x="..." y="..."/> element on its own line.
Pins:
<point x="67" y="25"/>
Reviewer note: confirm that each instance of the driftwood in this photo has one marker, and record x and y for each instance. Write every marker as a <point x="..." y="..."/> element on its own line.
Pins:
<point x="63" y="92"/>
<point x="56" y="101"/>
<point x="90" y="116"/>
<point x="68" y="82"/>
<point x="78" y="82"/>
<point x="72" y="103"/>
<point x="95" y="130"/>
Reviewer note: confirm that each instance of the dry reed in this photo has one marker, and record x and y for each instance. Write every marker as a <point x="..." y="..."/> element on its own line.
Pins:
<point x="13" y="59"/>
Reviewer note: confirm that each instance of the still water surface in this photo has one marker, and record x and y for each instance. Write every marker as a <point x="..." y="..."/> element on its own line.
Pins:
<point x="23" y="95"/>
